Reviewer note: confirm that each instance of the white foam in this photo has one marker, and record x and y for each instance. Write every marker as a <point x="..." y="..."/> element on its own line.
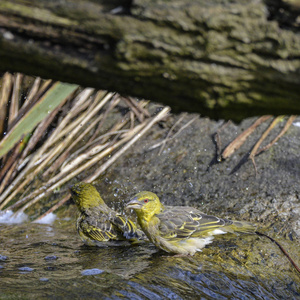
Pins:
<point x="7" y="216"/>
<point x="48" y="219"/>
<point x="297" y="124"/>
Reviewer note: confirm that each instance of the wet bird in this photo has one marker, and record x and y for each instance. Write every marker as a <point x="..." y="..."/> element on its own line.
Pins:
<point x="180" y="229"/>
<point x="97" y="222"/>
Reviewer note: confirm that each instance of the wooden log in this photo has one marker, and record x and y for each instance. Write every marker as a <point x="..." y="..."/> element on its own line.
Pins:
<point x="228" y="59"/>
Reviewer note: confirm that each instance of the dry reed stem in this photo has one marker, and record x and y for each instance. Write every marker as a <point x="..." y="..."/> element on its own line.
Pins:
<point x="111" y="160"/>
<point x="40" y="164"/>
<point x="84" y="133"/>
<point x="96" y="158"/>
<point x="18" y="183"/>
<point x="4" y="96"/>
<point x="95" y="149"/>
<point x="14" y="104"/>
<point x="134" y="110"/>
<point x="264" y="135"/>
<point x="282" y="132"/>
<point x="262" y="138"/>
<point x="43" y="160"/>
<point x="81" y="102"/>
<point x="7" y="177"/>
<point x="114" y="102"/>
<point x="41" y="129"/>
<point x="21" y="180"/>
<point x="162" y="114"/>
<point x="82" y="157"/>
<point x="115" y="129"/>
<point x="10" y="160"/>
<point x="136" y="133"/>
<point x="65" y="152"/>
<point x="239" y="140"/>
<point x="140" y="107"/>
<point x="92" y="142"/>
<point x="50" y="153"/>
<point x="79" y="122"/>
<point x="29" y="104"/>
<point x="33" y="91"/>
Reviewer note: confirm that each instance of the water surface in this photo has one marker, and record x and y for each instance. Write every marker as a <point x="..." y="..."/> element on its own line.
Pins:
<point x="49" y="262"/>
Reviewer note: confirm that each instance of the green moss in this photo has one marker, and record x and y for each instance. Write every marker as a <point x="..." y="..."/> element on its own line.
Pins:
<point x="40" y="14"/>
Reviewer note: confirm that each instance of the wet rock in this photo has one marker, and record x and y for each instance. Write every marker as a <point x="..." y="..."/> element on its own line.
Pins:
<point x="51" y="257"/>
<point x="26" y="269"/>
<point x="91" y="272"/>
<point x="3" y="257"/>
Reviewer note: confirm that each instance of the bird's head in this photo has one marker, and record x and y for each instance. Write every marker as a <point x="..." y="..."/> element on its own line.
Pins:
<point x="145" y="204"/>
<point x="85" y="196"/>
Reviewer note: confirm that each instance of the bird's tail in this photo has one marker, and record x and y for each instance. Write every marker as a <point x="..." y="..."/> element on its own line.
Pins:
<point x="240" y="227"/>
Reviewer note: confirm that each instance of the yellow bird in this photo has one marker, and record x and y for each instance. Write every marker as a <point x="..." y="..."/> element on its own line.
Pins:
<point x="180" y="229"/>
<point x="97" y="222"/>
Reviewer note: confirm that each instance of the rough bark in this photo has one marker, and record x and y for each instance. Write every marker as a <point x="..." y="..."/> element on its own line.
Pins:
<point x="226" y="59"/>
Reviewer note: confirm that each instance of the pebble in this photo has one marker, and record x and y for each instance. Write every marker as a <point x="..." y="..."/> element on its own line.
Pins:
<point x="91" y="272"/>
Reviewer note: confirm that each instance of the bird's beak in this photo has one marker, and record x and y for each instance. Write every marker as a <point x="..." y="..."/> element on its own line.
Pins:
<point x="134" y="203"/>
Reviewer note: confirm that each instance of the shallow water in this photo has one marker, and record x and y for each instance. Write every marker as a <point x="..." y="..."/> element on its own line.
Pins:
<point x="49" y="262"/>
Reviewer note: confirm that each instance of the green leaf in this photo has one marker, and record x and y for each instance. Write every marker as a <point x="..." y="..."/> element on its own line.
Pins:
<point x="53" y="97"/>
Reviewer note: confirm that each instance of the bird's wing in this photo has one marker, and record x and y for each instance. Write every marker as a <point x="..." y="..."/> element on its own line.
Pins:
<point x="127" y="227"/>
<point x="97" y="228"/>
<point x="184" y="222"/>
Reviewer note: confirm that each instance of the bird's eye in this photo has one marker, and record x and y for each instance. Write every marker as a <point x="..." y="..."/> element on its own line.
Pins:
<point x="146" y="200"/>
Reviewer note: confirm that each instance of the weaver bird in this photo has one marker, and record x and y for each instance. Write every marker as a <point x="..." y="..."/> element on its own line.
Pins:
<point x="97" y="222"/>
<point x="180" y="229"/>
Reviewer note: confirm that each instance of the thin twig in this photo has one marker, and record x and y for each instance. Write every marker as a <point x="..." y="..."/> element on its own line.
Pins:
<point x="281" y="248"/>
<point x="169" y="133"/>
<point x="282" y="132"/>
<point x="217" y="139"/>
<point x="239" y="140"/>
<point x="175" y="135"/>
<point x="262" y="138"/>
